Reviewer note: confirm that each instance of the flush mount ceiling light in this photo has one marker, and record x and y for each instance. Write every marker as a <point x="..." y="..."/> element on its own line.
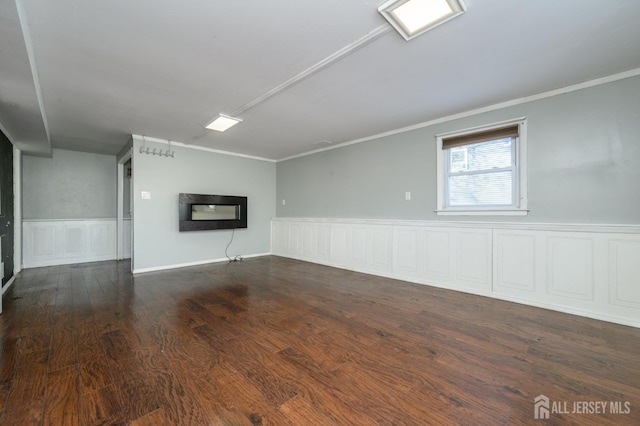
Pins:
<point x="413" y="17"/>
<point x="222" y="123"/>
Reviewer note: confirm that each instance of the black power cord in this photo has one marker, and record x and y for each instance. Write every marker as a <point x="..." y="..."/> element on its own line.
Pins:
<point x="237" y="258"/>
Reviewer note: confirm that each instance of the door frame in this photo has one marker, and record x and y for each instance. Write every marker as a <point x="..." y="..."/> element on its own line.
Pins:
<point x="120" y="215"/>
<point x="17" y="211"/>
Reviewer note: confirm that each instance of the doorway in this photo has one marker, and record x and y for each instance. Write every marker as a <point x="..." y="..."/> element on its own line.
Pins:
<point x="125" y="208"/>
<point x="6" y="211"/>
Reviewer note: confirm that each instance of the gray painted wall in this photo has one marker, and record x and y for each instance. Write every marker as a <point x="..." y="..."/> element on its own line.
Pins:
<point x="157" y="241"/>
<point x="583" y="160"/>
<point x="69" y="185"/>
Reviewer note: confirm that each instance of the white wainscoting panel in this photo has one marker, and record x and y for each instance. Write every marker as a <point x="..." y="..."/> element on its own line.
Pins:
<point x="517" y="267"/>
<point x="308" y="240"/>
<point x="570" y="266"/>
<point x="295" y="237"/>
<point x="323" y="242"/>
<point x="340" y="244"/>
<point x="438" y="255"/>
<point x="445" y="257"/>
<point x="126" y="224"/>
<point x="405" y="252"/>
<point x="73" y="240"/>
<point x="624" y="256"/>
<point x="41" y="241"/>
<point x="60" y="242"/>
<point x="473" y="259"/>
<point x="588" y="270"/>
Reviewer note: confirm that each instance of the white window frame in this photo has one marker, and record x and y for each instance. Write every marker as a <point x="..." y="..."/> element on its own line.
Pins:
<point x="520" y="175"/>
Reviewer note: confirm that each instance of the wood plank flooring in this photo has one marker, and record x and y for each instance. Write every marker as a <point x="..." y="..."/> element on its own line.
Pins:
<point x="277" y="341"/>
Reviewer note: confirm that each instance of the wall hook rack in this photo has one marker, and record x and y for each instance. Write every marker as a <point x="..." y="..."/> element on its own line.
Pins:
<point x="144" y="149"/>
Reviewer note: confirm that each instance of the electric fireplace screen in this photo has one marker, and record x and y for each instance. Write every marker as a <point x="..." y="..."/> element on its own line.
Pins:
<point x="214" y="212"/>
<point x="200" y="212"/>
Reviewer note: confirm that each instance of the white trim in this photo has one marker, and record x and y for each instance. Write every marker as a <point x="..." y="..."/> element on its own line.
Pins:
<point x="488" y="212"/>
<point x="75" y="261"/>
<point x="482" y="127"/>
<point x="69" y="220"/>
<point x="119" y="214"/>
<point x="197" y="263"/>
<point x="6" y="287"/>
<point x="200" y="148"/>
<point x="568" y="310"/>
<point x="17" y="210"/>
<point x="520" y="209"/>
<point x="533" y="226"/>
<point x="555" y="92"/>
<point x="120" y="203"/>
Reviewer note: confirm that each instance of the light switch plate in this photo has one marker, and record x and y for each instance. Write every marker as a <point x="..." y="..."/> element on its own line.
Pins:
<point x="146" y="195"/>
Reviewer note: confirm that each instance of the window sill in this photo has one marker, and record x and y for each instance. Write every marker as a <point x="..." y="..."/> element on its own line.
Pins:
<point x="506" y="212"/>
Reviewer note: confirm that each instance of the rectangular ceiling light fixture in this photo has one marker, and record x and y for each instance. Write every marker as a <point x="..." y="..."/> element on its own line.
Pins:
<point x="222" y="123"/>
<point x="413" y="17"/>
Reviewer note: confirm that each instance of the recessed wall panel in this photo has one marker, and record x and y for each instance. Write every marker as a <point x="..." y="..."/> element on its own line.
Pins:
<point x="438" y="253"/>
<point x="473" y="257"/>
<point x="43" y="241"/>
<point x="73" y="240"/>
<point x="340" y="243"/>
<point x="308" y="240"/>
<point x="516" y="261"/>
<point x="324" y="241"/>
<point x="624" y="260"/>
<point x="359" y="244"/>
<point x="381" y="248"/>
<point x="406" y="249"/>
<point x="101" y="239"/>
<point x="295" y="239"/>
<point x="570" y="267"/>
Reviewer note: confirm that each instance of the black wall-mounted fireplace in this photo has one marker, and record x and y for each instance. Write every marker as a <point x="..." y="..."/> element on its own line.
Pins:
<point x="198" y="212"/>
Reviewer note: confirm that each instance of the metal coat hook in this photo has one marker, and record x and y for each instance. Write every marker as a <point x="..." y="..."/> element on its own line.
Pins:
<point x="144" y="149"/>
<point x="170" y="152"/>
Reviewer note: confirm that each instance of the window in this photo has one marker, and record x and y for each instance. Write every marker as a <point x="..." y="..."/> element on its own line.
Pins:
<point x="483" y="170"/>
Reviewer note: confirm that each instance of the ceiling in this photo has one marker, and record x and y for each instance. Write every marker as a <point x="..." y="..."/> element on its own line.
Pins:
<point x="86" y="74"/>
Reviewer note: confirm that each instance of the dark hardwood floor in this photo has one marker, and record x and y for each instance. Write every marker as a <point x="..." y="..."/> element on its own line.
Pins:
<point x="278" y="341"/>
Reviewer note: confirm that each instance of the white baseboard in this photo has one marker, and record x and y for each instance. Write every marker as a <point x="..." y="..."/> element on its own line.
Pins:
<point x="197" y="263"/>
<point x="9" y="283"/>
<point x="70" y="261"/>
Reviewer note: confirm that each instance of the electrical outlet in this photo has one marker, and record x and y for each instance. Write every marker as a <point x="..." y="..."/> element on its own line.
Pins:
<point x="407" y="195"/>
<point x="146" y="195"/>
<point x="283" y="202"/>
